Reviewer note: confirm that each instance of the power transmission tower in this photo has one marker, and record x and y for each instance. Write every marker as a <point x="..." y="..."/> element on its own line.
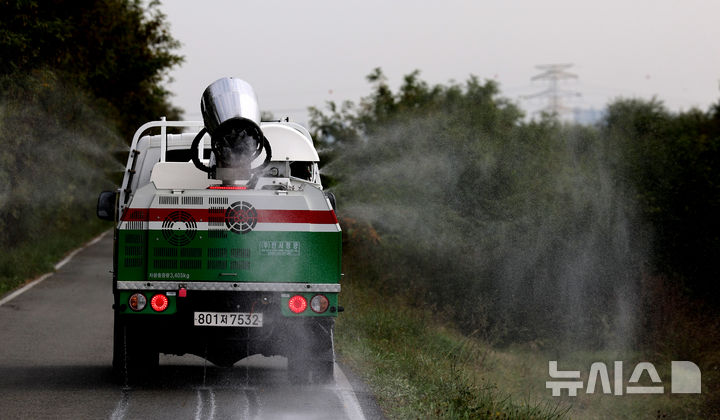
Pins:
<point x="554" y="73"/>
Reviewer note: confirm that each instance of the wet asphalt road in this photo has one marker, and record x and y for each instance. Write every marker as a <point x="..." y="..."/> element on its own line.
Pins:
<point x="56" y="353"/>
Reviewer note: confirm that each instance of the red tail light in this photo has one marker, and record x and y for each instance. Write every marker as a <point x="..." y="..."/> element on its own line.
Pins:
<point x="159" y="303"/>
<point x="297" y="304"/>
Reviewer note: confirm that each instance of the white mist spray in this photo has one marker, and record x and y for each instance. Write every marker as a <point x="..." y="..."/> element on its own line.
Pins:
<point x="526" y="236"/>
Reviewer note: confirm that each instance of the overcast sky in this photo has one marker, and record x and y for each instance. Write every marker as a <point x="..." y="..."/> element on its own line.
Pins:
<point x="301" y="53"/>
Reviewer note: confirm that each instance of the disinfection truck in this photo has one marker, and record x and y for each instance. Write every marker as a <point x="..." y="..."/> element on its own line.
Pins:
<point x="225" y="243"/>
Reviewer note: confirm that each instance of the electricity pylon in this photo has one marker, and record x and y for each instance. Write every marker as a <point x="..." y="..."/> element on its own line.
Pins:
<point x="554" y="73"/>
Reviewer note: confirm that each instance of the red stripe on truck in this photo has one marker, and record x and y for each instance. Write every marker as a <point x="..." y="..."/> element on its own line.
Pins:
<point x="297" y="216"/>
<point x="264" y="216"/>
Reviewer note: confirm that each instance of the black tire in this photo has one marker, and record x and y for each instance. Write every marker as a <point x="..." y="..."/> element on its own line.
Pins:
<point x="134" y="357"/>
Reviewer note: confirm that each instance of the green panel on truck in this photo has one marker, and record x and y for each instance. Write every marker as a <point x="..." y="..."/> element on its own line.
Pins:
<point x="258" y="256"/>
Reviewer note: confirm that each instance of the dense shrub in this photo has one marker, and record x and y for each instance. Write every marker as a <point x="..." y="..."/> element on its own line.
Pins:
<point x="522" y="230"/>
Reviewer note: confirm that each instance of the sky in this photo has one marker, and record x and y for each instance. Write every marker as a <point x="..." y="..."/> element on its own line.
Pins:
<point x="304" y="53"/>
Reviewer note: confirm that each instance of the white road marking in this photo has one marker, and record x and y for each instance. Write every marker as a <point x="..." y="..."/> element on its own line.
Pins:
<point x="346" y="393"/>
<point x="212" y="403"/>
<point x="201" y="405"/>
<point x="246" y="407"/>
<point x="72" y="254"/>
<point x="122" y="405"/>
<point x="57" y="266"/>
<point x="258" y="404"/>
<point x="24" y="289"/>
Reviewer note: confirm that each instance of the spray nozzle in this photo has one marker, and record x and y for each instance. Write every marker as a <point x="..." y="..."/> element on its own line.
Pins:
<point x="232" y="116"/>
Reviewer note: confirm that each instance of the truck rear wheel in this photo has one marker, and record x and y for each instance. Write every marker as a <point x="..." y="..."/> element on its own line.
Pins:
<point x="134" y="357"/>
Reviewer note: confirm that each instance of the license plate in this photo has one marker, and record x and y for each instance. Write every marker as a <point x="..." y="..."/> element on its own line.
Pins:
<point x="228" y="319"/>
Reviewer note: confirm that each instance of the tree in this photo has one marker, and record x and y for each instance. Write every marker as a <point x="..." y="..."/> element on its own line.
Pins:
<point x="116" y="49"/>
<point x="673" y="163"/>
<point x="73" y="74"/>
<point x="507" y="226"/>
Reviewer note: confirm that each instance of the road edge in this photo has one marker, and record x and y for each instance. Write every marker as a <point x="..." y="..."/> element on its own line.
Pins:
<point x="347" y="395"/>
<point x="17" y="292"/>
<point x="362" y="394"/>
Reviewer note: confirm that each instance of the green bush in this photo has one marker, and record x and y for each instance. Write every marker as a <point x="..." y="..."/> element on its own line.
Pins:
<point x="72" y="76"/>
<point x="526" y="231"/>
<point x="56" y="156"/>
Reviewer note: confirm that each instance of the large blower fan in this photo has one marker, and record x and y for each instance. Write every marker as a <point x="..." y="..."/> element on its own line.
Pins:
<point x="179" y="228"/>
<point x="232" y="118"/>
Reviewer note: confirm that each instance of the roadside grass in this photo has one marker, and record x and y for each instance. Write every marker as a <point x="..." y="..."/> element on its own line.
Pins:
<point x="522" y="371"/>
<point x="419" y="367"/>
<point x="59" y="146"/>
<point x="21" y="263"/>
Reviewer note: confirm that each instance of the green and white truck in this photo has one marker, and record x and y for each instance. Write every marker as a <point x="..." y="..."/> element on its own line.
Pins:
<point x="226" y="244"/>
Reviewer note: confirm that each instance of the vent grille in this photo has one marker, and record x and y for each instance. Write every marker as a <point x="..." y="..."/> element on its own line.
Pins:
<point x="216" y="218"/>
<point x="191" y="252"/>
<point x="240" y="252"/>
<point x="217" y="234"/>
<point x="188" y="258"/>
<point x="193" y="201"/>
<point x="217" y="252"/>
<point x="168" y="199"/>
<point x="217" y="264"/>
<point x="164" y="264"/>
<point x="239" y="258"/>
<point x="240" y="265"/>
<point x="218" y="200"/>
<point x="216" y="222"/>
<point x="134" y="251"/>
<point x="134" y="238"/>
<point x="165" y="252"/>
<point x="135" y="225"/>
<point x="133" y="262"/>
<point x="137" y="214"/>
<point x="191" y="264"/>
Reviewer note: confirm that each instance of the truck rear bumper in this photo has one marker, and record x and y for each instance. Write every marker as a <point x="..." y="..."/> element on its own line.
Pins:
<point x="303" y="337"/>
<point x="229" y="286"/>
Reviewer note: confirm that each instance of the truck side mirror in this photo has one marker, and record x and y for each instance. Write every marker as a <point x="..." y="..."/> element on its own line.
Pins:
<point x="106" y="205"/>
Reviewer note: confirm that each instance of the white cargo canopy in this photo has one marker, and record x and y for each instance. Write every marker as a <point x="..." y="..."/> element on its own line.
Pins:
<point x="289" y="143"/>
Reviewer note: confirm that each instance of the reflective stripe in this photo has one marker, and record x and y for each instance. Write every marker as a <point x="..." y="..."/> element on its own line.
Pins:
<point x="229" y="286"/>
<point x="260" y="227"/>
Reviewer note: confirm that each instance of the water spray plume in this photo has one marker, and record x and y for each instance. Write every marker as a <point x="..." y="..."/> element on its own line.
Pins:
<point x="519" y="230"/>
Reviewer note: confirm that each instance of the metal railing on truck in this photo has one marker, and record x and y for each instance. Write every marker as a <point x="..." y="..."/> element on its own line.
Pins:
<point x="125" y="190"/>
